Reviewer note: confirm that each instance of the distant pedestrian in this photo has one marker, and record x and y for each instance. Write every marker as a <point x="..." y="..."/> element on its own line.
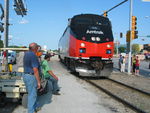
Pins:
<point x="133" y="63"/>
<point x="20" y="61"/>
<point x="123" y="64"/>
<point x="31" y="76"/>
<point x="137" y="66"/>
<point x="48" y="74"/>
<point x="120" y="61"/>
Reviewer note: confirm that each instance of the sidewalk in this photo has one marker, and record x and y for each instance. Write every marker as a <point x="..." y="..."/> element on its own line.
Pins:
<point x="77" y="96"/>
<point x="74" y="98"/>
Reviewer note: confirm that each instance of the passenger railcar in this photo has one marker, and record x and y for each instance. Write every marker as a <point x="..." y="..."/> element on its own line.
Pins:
<point x="87" y="45"/>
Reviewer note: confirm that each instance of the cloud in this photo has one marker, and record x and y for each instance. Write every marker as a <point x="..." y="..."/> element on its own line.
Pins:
<point x="23" y="21"/>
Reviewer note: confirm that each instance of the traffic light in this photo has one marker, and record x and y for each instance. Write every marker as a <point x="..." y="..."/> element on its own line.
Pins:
<point x="128" y="36"/>
<point x="105" y="14"/>
<point x="134" y="32"/>
<point x="134" y="19"/>
<point x="121" y="35"/>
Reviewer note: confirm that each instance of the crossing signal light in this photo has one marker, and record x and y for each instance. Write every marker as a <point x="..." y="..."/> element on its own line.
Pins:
<point x="105" y="14"/>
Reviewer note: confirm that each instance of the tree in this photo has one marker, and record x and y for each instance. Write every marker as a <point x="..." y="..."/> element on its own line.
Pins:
<point x="1" y="44"/>
<point x="115" y="50"/>
<point x="122" y="49"/>
<point x="135" y="48"/>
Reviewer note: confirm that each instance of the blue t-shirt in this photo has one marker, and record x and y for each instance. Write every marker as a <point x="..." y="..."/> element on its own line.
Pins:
<point x="30" y="61"/>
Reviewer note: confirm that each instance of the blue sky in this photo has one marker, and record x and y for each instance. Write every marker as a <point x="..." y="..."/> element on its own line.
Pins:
<point x="46" y="20"/>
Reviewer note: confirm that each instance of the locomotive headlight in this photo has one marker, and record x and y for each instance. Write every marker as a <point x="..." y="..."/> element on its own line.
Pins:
<point x="93" y="38"/>
<point x="98" y="39"/>
<point x="82" y="44"/>
<point x="108" y="45"/>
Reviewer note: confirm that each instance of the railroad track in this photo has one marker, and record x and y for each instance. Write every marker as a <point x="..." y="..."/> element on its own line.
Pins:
<point x="136" y="99"/>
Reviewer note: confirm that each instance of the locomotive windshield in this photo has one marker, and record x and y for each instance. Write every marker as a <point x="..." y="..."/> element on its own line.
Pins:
<point x="89" y="26"/>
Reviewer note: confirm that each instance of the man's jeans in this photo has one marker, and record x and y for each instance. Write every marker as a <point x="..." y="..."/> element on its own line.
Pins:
<point x="31" y="86"/>
<point x="54" y="82"/>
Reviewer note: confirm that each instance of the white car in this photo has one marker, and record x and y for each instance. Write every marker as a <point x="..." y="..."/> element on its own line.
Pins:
<point x="11" y="57"/>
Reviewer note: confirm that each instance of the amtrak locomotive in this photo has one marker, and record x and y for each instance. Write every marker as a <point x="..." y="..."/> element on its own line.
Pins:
<point x="87" y="45"/>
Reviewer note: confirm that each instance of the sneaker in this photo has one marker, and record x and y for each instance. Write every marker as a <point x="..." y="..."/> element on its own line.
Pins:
<point x="37" y="109"/>
<point x="56" y="93"/>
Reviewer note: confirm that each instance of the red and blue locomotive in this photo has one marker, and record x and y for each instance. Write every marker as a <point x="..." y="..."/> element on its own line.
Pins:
<point x="87" y="45"/>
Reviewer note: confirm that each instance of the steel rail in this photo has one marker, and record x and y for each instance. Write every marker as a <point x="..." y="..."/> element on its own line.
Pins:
<point x="128" y="86"/>
<point x="117" y="98"/>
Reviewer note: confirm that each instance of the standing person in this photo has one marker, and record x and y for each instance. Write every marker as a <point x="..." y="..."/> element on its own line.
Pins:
<point x="39" y="53"/>
<point x="123" y="64"/>
<point x="120" y="61"/>
<point x="133" y="63"/>
<point x="20" y="60"/>
<point x="137" y="66"/>
<point x="48" y="74"/>
<point x="31" y="76"/>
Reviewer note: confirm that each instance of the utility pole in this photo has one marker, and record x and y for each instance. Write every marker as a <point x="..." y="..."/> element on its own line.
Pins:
<point x="130" y="42"/>
<point x="6" y="24"/>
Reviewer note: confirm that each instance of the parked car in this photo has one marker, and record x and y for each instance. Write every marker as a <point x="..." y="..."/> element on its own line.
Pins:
<point x="147" y="56"/>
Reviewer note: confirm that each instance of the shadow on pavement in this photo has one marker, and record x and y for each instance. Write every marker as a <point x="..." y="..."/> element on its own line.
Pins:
<point x="46" y="98"/>
<point x="8" y="107"/>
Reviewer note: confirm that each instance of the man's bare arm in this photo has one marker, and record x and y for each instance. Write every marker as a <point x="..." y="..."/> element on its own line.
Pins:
<point x="36" y="74"/>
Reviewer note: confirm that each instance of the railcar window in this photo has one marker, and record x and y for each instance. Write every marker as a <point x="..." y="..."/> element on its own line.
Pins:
<point x="94" y="21"/>
<point x="83" y="21"/>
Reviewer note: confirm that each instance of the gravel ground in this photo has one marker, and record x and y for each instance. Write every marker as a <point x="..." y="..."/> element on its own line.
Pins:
<point x="138" y="82"/>
<point x="77" y="96"/>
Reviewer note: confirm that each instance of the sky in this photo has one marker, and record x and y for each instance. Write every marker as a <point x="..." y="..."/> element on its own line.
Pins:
<point x="46" y="20"/>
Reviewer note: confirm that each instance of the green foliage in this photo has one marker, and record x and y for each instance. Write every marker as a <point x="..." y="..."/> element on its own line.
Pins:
<point x="115" y="50"/>
<point x="14" y="46"/>
<point x="135" y="48"/>
<point x="1" y="44"/>
<point x="122" y="49"/>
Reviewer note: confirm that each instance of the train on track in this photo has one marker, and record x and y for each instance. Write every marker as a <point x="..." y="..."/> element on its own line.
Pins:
<point x="87" y="46"/>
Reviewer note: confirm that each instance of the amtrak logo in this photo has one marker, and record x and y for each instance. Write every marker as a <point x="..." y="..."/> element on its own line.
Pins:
<point x="94" y="32"/>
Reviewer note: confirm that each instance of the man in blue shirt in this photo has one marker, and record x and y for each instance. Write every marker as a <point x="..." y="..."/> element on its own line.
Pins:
<point x="31" y="77"/>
